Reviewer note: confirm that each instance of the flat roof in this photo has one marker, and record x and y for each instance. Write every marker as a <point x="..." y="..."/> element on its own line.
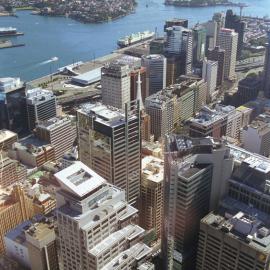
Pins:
<point x="88" y="77"/>
<point x="79" y="179"/>
<point x="6" y="135"/>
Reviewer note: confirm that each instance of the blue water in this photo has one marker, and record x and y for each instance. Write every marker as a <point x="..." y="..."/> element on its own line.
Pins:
<point x="46" y="37"/>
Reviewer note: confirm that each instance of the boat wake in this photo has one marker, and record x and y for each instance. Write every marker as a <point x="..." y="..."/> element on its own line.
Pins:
<point x="53" y="59"/>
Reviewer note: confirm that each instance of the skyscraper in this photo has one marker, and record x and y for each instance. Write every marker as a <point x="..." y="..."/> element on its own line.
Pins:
<point x="211" y="35"/>
<point x="217" y="54"/>
<point x="156" y="67"/>
<point x="227" y="41"/>
<point x="115" y="82"/>
<point x="109" y="143"/>
<point x="232" y="21"/>
<point x="13" y="114"/>
<point x="41" y="105"/>
<point x="209" y="74"/>
<point x="193" y="184"/>
<point x="151" y="211"/>
<point x="179" y="43"/>
<point x="266" y="81"/>
<point x="97" y="226"/>
<point x="199" y="43"/>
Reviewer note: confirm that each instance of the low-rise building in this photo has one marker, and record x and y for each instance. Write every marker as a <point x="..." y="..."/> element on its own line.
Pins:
<point x="7" y="138"/>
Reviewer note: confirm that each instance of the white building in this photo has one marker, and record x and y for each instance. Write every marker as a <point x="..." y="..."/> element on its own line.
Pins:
<point x="256" y="138"/>
<point x="209" y="74"/>
<point x="97" y="227"/>
<point x="228" y="40"/>
<point x="115" y="82"/>
<point x="16" y="245"/>
<point x="8" y="84"/>
<point x="41" y="106"/>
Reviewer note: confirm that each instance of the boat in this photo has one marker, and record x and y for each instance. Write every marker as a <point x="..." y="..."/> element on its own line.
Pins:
<point x="53" y="59"/>
<point x="5" y="44"/>
<point x="135" y="38"/>
<point x="9" y="31"/>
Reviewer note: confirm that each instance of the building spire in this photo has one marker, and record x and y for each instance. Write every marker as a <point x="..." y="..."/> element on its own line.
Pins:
<point x="139" y="91"/>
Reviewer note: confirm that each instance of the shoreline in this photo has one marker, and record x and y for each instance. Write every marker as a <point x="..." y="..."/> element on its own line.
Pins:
<point x="195" y="5"/>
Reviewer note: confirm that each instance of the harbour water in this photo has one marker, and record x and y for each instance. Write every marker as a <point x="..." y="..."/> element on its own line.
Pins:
<point x="72" y="41"/>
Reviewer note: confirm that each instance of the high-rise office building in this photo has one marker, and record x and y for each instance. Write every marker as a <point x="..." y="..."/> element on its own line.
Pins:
<point x="59" y="132"/>
<point x="209" y="74"/>
<point x="109" y="143"/>
<point x="13" y="114"/>
<point x="199" y="43"/>
<point x="266" y="80"/>
<point x="233" y="241"/>
<point x="115" y="82"/>
<point x="219" y="18"/>
<point x="173" y="69"/>
<point x="232" y="21"/>
<point x="151" y="199"/>
<point x="218" y="54"/>
<point x="193" y="184"/>
<point x="157" y="46"/>
<point x="164" y="112"/>
<point x="41" y="106"/>
<point x="97" y="227"/>
<point x="179" y="43"/>
<point x="211" y="35"/>
<point x="227" y="40"/>
<point x="156" y="66"/>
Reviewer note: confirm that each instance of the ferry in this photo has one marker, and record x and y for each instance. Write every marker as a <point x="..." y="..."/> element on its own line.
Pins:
<point x="9" y="31"/>
<point x="135" y="38"/>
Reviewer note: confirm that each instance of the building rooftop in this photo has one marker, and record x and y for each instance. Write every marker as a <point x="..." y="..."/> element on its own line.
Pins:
<point x="53" y="123"/>
<point x="129" y="233"/>
<point x="88" y="77"/>
<point x="79" y="179"/>
<point x="136" y="252"/>
<point x="251" y="170"/>
<point x="207" y="116"/>
<point x="185" y="144"/>
<point x="152" y="169"/>
<point x="107" y="115"/>
<point x="188" y="168"/>
<point x="9" y="84"/>
<point x="242" y="226"/>
<point x="6" y="135"/>
<point x="41" y="230"/>
<point x="38" y="95"/>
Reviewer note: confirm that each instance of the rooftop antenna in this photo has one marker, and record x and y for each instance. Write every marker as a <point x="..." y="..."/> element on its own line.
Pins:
<point x="139" y="91"/>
